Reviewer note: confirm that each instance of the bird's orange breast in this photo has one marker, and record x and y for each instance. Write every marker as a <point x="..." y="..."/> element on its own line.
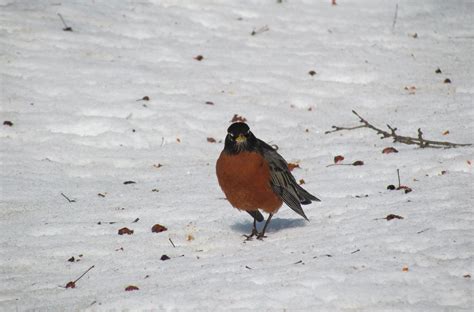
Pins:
<point x="245" y="180"/>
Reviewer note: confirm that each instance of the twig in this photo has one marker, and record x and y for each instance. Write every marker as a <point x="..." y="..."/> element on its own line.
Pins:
<point x="339" y="165"/>
<point x="66" y="27"/>
<point x="420" y="141"/>
<point x="69" y="200"/>
<point x="336" y="128"/>
<point x="355" y="251"/>
<point x="171" y="242"/>
<point x="260" y="30"/>
<point x="424" y="230"/>
<point x="72" y="284"/>
<point x="398" y="174"/>
<point x="84" y="273"/>
<point x="395" y="18"/>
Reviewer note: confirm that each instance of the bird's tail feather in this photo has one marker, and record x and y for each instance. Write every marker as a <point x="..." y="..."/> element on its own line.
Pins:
<point x="305" y="196"/>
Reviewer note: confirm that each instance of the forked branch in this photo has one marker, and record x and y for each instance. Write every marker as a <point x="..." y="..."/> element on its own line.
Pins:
<point x="392" y="133"/>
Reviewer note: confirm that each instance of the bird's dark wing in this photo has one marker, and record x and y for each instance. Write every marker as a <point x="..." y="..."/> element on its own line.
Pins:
<point x="282" y="181"/>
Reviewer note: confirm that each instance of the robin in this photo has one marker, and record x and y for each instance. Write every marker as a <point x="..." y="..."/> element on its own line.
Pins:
<point x="254" y="177"/>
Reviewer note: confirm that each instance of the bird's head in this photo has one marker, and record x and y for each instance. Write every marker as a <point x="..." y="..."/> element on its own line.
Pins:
<point x="239" y="138"/>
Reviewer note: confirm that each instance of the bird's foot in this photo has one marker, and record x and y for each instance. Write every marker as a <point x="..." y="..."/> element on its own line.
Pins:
<point x="254" y="233"/>
<point x="261" y="236"/>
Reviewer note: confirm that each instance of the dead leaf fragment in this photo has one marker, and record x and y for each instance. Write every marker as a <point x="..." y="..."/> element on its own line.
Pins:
<point x="189" y="237"/>
<point x="411" y="89"/>
<point x="467" y="276"/>
<point x="393" y="216"/>
<point x="312" y="73"/>
<point x="164" y="258"/>
<point x="131" y="288"/>
<point x="71" y="284"/>
<point x="209" y="103"/>
<point x="157" y="166"/>
<point x="178" y="140"/>
<point x="72" y="259"/>
<point x="211" y="140"/>
<point x="446" y="132"/>
<point x="389" y="150"/>
<point x="391" y="187"/>
<point x="405" y="269"/>
<point x="129" y="182"/>
<point x="447" y="80"/>
<point x="438" y="70"/>
<point x="405" y="188"/>
<point x="292" y="166"/>
<point x="158" y="228"/>
<point x="199" y="57"/>
<point x="358" y="163"/>
<point x="8" y="123"/>
<point x="302" y="181"/>
<point x="238" y="118"/>
<point x="338" y="159"/>
<point x="125" y="230"/>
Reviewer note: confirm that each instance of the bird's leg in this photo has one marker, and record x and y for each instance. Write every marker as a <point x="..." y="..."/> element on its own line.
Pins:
<point x="254" y="230"/>
<point x="261" y="235"/>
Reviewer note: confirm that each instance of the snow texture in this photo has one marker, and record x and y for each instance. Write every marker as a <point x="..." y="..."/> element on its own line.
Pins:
<point x="79" y="130"/>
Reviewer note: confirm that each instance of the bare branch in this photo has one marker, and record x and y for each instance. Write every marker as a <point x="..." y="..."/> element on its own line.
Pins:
<point x="420" y="141"/>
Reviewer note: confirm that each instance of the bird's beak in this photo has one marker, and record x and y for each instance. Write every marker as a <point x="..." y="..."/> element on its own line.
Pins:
<point x="241" y="138"/>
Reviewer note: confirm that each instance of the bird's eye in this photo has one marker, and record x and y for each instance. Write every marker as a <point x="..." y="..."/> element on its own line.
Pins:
<point x="230" y="134"/>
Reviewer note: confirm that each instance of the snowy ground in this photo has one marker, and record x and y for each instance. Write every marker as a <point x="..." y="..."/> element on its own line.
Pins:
<point x="78" y="130"/>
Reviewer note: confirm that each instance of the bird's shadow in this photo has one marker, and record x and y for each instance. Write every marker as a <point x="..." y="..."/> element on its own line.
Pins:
<point x="276" y="224"/>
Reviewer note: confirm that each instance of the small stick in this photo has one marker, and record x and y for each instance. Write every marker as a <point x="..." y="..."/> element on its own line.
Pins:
<point x="84" y="273"/>
<point x="260" y="30"/>
<point x="355" y="251"/>
<point x="171" y="242"/>
<point x="395" y="18"/>
<point x="419" y="232"/>
<point x="69" y="200"/>
<point x="66" y="27"/>
<point x="336" y="128"/>
<point x="339" y="165"/>
<point x="398" y="174"/>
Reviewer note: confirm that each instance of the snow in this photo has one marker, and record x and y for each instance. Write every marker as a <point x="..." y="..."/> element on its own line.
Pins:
<point x="79" y="130"/>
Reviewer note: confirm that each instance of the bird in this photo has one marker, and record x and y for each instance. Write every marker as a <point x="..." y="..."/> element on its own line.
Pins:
<point x="254" y="178"/>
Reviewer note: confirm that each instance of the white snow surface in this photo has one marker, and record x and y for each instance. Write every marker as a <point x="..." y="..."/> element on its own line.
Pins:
<point x="79" y="130"/>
